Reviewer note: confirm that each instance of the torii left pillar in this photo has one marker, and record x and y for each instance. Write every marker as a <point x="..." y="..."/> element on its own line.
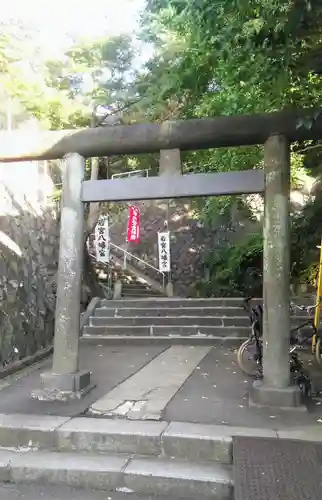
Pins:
<point x="66" y="381"/>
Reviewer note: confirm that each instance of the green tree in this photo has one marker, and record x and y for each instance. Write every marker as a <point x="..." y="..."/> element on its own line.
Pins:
<point x="227" y="57"/>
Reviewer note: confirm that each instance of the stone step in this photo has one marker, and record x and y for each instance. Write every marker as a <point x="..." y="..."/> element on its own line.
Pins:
<point x="222" y="312"/>
<point x="168" y="340"/>
<point x="171" y="303"/>
<point x="195" y="442"/>
<point x="164" y="321"/>
<point x="137" y="294"/>
<point x="175" y="440"/>
<point x="137" y="286"/>
<point x="133" y="312"/>
<point x="196" y="321"/>
<point x="167" y="330"/>
<point x="61" y="492"/>
<point x="180" y="459"/>
<point x="152" y="476"/>
<point x="165" y="302"/>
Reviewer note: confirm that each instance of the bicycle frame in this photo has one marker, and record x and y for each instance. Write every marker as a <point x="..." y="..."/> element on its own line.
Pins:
<point x="307" y="337"/>
<point x="255" y="315"/>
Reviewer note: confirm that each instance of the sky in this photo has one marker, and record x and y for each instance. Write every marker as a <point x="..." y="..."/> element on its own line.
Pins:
<point x="58" y="21"/>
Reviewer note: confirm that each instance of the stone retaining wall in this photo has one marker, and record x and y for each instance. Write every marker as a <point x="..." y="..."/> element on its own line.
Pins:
<point x="29" y="243"/>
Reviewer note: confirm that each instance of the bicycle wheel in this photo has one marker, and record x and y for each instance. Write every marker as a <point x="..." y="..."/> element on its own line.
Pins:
<point x="248" y="357"/>
<point x="303" y="381"/>
<point x="318" y="351"/>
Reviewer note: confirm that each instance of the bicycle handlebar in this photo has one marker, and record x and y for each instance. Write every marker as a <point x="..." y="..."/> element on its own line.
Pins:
<point x="305" y="308"/>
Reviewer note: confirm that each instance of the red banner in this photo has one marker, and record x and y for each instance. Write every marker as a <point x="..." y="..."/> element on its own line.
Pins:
<point x="133" y="226"/>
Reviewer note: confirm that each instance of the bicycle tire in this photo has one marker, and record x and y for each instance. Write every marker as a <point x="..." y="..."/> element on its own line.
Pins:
<point x="240" y="361"/>
<point x="318" y="351"/>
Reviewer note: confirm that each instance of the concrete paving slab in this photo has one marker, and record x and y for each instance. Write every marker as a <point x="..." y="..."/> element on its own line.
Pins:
<point x="182" y="479"/>
<point x="18" y="430"/>
<point x="88" y="434"/>
<point x="251" y="432"/>
<point x="309" y="433"/>
<point x="32" y="422"/>
<point x="206" y="442"/>
<point x="82" y="470"/>
<point x="154" y="385"/>
<point x="198" y="442"/>
<point x="109" y="365"/>
<point x="58" y="492"/>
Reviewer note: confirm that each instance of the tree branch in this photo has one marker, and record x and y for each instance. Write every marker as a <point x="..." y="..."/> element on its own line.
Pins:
<point x="309" y="148"/>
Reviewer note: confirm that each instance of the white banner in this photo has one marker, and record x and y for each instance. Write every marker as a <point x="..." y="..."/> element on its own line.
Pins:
<point x="102" y="240"/>
<point x="164" y="251"/>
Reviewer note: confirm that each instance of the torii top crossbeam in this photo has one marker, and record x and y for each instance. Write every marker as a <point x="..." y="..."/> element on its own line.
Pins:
<point x="204" y="133"/>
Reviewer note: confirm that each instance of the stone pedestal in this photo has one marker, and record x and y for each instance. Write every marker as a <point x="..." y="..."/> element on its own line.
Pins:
<point x="288" y="397"/>
<point x="117" y="290"/>
<point x="275" y="389"/>
<point x="170" y="162"/>
<point x="65" y="381"/>
<point x="169" y="289"/>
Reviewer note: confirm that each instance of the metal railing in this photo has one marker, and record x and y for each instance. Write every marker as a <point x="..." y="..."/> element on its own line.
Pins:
<point x="127" y="256"/>
<point x="131" y="173"/>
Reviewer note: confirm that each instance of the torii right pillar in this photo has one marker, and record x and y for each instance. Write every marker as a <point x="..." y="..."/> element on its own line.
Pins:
<point x="276" y="388"/>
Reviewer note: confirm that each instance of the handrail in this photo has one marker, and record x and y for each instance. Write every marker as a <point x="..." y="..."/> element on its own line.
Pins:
<point x="131" y="173"/>
<point x="137" y="258"/>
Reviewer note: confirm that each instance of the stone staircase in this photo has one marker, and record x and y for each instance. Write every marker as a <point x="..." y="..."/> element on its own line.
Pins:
<point x="164" y="320"/>
<point x="157" y="320"/>
<point x="165" y="460"/>
<point x="136" y="287"/>
<point x="175" y="460"/>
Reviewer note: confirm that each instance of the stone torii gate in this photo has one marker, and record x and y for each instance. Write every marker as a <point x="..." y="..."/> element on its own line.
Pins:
<point x="275" y="131"/>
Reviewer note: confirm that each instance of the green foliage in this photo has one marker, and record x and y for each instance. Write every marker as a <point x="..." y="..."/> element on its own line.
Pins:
<point x="235" y="270"/>
<point x="306" y="236"/>
<point x="62" y="93"/>
<point x="228" y="57"/>
<point x="211" y="58"/>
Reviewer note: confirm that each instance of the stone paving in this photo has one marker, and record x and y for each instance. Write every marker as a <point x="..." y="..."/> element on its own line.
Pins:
<point x="216" y="392"/>
<point x="110" y="366"/>
<point x="178" y="456"/>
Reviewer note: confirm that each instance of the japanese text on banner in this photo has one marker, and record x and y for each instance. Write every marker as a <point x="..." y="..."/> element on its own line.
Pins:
<point x="102" y="240"/>
<point x="164" y="251"/>
<point x="133" y="227"/>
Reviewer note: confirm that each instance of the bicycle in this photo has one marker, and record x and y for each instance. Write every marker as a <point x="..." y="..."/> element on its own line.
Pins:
<point x="255" y="315"/>
<point x="299" y="374"/>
